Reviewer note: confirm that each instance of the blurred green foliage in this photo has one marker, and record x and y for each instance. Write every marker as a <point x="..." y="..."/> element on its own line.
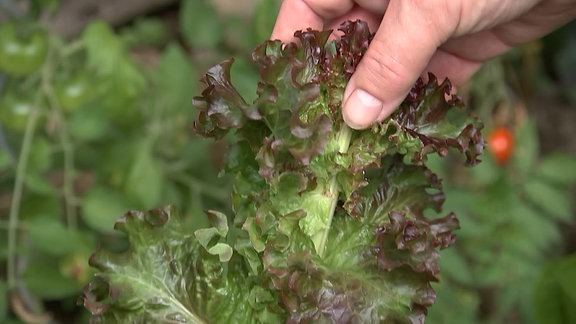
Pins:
<point x="97" y="130"/>
<point x="511" y="215"/>
<point x="555" y="296"/>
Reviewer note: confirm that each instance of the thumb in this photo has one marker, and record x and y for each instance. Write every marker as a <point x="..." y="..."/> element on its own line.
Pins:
<point x="406" y="40"/>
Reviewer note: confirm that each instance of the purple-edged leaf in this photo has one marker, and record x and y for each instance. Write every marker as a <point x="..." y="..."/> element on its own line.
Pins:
<point x="328" y="224"/>
<point x="436" y="118"/>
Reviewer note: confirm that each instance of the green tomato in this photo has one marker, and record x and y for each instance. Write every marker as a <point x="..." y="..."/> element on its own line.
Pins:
<point x="14" y="112"/>
<point x="118" y="101"/>
<point x="74" y="93"/>
<point x="22" y="53"/>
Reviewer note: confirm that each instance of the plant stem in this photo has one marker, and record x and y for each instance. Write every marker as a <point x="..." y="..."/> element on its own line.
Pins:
<point x="70" y="200"/>
<point x="21" y="167"/>
<point x="68" y="185"/>
<point x="343" y="138"/>
<point x="17" y="193"/>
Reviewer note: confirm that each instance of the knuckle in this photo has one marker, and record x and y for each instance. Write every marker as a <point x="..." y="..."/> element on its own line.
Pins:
<point x="380" y="71"/>
<point x="441" y="17"/>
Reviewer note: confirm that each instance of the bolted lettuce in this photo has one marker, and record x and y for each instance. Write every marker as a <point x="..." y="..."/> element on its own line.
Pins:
<point x="329" y="223"/>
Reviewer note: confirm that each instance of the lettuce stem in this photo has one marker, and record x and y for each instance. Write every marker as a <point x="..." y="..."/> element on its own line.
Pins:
<point x="343" y="139"/>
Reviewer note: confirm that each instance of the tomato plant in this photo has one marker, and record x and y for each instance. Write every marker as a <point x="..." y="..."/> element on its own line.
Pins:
<point x="14" y="111"/>
<point x="22" y="50"/>
<point x="509" y="215"/>
<point x="115" y="136"/>
<point x="74" y="93"/>
<point x="501" y="144"/>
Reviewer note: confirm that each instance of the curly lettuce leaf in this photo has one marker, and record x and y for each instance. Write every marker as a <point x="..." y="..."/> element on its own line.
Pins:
<point x="435" y="117"/>
<point x="329" y="223"/>
<point x="295" y="125"/>
<point x="165" y="276"/>
<point x="318" y="172"/>
<point x="380" y="262"/>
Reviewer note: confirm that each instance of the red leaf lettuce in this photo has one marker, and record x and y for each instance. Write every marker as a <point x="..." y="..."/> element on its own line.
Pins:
<point x="328" y="223"/>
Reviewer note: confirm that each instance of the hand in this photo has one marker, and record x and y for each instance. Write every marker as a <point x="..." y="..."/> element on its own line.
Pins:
<point x="450" y="38"/>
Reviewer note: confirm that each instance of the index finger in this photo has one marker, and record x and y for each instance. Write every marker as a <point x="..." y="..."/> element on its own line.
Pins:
<point x="301" y="14"/>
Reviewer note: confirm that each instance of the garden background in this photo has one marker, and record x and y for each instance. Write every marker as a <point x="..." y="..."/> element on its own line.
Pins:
<point x="96" y="113"/>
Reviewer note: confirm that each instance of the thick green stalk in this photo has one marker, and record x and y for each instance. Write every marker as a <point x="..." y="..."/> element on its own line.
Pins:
<point x="343" y="140"/>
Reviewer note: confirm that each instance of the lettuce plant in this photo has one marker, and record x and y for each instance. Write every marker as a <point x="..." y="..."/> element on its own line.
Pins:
<point x="329" y="224"/>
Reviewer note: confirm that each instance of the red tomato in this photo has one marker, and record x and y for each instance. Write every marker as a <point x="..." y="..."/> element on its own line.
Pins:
<point x="501" y="144"/>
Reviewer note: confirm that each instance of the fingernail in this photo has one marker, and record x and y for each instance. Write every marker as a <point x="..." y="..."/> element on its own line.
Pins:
<point x="361" y="109"/>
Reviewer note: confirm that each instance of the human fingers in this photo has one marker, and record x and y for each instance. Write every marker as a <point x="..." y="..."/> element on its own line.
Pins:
<point x="406" y="40"/>
<point x="536" y="22"/>
<point x="460" y="57"/>
<point x="302" y="14"/>
<point x="458" y="69"/>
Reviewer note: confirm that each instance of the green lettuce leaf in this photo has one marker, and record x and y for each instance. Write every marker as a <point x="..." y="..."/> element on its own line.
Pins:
<point x="329" y="223"/>
<point x="380" y="263"/>
<point x="319" y="173"/>
<point x="166" y="276"/>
